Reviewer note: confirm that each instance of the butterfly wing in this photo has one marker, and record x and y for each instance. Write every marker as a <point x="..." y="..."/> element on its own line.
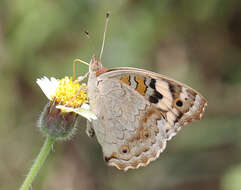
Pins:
<point x="138" y="111"/>
<point x="129" y="128"/>
<point x="178" y="103"/>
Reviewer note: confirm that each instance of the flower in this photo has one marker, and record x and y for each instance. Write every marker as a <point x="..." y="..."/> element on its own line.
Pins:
<point x="68" y="95"/>
<point x="48" y="86"/>
<point x="83" y="111"/>
<point x="68" y="99"/>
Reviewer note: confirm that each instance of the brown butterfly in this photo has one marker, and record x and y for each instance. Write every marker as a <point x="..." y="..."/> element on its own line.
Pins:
<point x="137" y="111"/>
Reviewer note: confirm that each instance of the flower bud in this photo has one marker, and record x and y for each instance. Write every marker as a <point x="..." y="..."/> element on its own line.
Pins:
<point x="56" y="123"/>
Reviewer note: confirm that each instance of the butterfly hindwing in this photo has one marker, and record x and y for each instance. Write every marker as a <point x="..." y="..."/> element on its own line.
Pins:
<point x="129" y="128"/>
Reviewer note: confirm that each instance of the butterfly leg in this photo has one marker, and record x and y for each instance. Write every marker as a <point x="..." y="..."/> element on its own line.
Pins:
<point x="89" y="129"/>
<point x="81" y="78"/>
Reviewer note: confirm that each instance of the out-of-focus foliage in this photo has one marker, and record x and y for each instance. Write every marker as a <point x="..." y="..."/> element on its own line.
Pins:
<point x="196" y="42"/>
<point x="232" y="179"/>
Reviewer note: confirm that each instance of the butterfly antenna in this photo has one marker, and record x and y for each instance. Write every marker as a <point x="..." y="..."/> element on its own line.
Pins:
<point x="91" y="44"/>
<point x="103" y="42"/>
<point x="86" y="32"/>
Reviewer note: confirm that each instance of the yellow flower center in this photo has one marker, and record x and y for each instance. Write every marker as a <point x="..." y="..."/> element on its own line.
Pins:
<point x="70" y="93"/>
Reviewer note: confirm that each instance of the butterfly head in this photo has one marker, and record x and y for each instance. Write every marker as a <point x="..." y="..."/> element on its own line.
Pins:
<point x="96" y="66"/>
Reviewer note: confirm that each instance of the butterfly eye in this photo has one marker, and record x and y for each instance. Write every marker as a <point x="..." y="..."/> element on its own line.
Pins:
<point x="124" y="149"/>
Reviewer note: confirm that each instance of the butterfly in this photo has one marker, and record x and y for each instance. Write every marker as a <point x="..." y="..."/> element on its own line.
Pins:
<point x="137" y="111"/>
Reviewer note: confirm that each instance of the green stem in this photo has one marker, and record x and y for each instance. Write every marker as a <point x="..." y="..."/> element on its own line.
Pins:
<point x="38" y="163"/>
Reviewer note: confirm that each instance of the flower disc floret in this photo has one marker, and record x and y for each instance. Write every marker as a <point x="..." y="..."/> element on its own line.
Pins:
<point x="70" y="93"/>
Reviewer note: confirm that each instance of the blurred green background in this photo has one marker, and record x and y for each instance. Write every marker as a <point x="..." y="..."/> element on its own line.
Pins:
<point x="196" y="42"/>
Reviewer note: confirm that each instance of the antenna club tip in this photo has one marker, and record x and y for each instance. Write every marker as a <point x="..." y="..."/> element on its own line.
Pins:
<point x="86" y="33"/>
<point x="108" y="14"/>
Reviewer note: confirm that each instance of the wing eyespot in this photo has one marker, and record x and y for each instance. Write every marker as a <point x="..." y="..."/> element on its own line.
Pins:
<point x="107" y="159"/>
<point x="124" y="149"/>
<point x="145" y="134"/>
<point x="179" y="103"/>
<point x="153" y="99"/>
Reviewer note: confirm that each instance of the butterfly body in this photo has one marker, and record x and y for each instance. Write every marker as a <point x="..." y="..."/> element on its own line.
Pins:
<point x="138" y="111"/>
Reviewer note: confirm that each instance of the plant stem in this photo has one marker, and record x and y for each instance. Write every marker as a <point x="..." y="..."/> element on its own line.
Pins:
<point x="38" y="163"/>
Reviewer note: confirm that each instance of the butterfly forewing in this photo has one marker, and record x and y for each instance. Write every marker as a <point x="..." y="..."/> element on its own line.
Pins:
<point x="178" y="103"/>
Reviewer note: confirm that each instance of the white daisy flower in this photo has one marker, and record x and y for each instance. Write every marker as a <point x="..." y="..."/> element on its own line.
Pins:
<point x="48" y="86"/>
<point x="84" y="111"/>
<point x="68" y="95"/>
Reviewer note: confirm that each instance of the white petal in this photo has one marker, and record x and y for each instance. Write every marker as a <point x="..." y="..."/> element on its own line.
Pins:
<point x="48" y="86"/>
<point x="86" y="113"/>
<point x="86" y="106"/>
